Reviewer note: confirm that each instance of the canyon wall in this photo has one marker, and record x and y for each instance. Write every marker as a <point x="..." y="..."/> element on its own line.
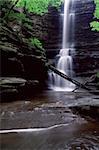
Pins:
<point x="48" y="29"/>
<point x="86" y="42"/>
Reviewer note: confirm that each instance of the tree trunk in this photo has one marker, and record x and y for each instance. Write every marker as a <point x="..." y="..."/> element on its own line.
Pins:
<point x="68" y="78"/>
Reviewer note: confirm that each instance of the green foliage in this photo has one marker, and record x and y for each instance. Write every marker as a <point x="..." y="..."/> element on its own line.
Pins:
<point x="95" y="24"/>
<point x="17" y="16"/>
<point x="21" y="22"/>
<point x="38" y="6"/>
<point x="20" y="17"/>
<point x="36" y="43"/>
<point x="96" y="14"/>
<point x="56" y="3"/>
<point x="97" y="75"/>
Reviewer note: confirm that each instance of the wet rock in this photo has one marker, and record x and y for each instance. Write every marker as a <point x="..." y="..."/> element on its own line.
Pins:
<point x="86" y="106"/>
<point x="34" y="68"/>
<point x="12" y="81"/>
<point x="38" y="117"/>
<point x="20" y="65"/>
<point x="10" y="63"/>
<point x="86" y="42"/>
<point x="8" y="51"/>
<point x="12" y="88"/>
<point x="9" y="87"/>
<point x="31" y="88"/>
<point x="12" y="67"/>
<point x="9" y="94"/>
<point x="87" y="111"/>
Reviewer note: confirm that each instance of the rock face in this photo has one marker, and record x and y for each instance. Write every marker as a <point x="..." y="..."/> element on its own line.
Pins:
<point x="86" y="42"/>
<point x="15" y="67"/>
<point x="48" y="29"/>
<point x="12" y="88"/>
<point x="9" y="87"/>
<point x="21" y="65"/>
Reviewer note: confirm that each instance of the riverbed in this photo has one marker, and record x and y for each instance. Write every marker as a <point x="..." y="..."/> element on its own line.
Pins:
<point x="50" y="121"/>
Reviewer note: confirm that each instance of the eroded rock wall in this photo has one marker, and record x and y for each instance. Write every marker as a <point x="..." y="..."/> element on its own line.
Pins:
<point x="86" y="42"/>
<point x="48" y="29"/>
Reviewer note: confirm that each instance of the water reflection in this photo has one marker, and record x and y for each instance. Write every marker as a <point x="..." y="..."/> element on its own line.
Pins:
<point x="72" y="137"/>
<point x="59" y="128"/>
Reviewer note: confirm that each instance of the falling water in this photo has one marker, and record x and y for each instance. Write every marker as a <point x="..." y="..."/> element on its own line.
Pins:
<point x="64" y="63"/>
<point x="65" y="24"/>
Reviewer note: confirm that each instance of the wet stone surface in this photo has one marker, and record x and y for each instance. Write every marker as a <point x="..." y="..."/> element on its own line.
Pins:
<point x="42" y="116"/>
<point x="47" y="109"/>
<point x="48" y="122"/>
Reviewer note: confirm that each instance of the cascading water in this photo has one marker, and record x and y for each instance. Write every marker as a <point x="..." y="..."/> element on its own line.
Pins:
<point x="64" y="63"/>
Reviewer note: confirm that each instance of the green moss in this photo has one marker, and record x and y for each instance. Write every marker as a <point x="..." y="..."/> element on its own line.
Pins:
<point x="95" y="24"/>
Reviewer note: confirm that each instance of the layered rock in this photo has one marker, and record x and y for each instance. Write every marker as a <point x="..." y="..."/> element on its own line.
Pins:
<point x="86" y="42"/>
<point x="12" y="88"/>
<point x="15" y="64"/>
<point x="48" y="29"/>
<point x="21" y="74"/>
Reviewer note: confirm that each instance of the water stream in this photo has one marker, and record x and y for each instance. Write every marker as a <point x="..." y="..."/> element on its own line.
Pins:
<point x="64" y="63"/>
<point x="47" y="123"/>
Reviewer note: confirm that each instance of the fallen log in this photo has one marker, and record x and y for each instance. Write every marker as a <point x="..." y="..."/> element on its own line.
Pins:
<point x="68" y="78"/>
<point x="23" y="45"/>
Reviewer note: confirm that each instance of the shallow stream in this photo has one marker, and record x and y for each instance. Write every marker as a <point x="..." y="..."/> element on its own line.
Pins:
<point x="47" y="122"/>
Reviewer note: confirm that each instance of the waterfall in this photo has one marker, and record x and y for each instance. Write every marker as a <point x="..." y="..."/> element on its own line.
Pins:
<point x="64" y="63"/>
<point x="65" y="24"/>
